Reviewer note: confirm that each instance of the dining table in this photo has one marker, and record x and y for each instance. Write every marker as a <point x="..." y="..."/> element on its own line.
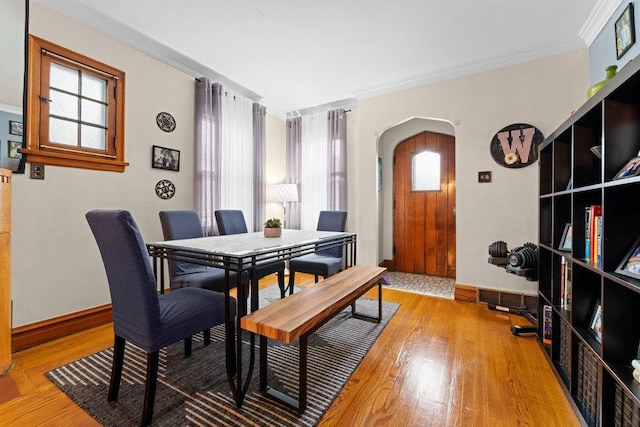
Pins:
<point x="239" y="253"/>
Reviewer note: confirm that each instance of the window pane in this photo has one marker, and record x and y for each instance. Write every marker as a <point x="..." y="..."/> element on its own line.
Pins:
<point x="94" y="88"/>
<point x="63" y="132"/>
<point x="93" y="137"/>
<point x="94" y="112"/>
<point x="425" y="172"/>
<point x="63" y="105"/>
<point x="64" y="78"/>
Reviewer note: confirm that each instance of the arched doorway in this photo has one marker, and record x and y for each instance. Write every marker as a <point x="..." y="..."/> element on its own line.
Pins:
<point x="387" y="142"/>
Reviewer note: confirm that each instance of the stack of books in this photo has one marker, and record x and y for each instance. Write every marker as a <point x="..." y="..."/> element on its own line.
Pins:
<point x="593" y="233"/>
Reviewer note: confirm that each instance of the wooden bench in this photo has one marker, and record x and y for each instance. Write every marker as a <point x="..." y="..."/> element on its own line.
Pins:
<point x="300" y="314"/>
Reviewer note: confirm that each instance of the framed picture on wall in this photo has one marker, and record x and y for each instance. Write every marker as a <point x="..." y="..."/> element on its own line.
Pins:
<point x="15" y="128"/>
<point x="625" y="31"/>
<point x="165" y="158"/>
<point x="13" y="149"/>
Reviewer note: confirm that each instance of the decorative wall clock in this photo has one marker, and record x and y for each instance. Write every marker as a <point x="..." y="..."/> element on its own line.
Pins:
<point x="165" y="189"/>
<point x="166" y="122"/>
<point x="516" y="146"/>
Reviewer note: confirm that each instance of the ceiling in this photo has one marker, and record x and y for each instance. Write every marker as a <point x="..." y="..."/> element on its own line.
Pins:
<point x="297" y="55"/>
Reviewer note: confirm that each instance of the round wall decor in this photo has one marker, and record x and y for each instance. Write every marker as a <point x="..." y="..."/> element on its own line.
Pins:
<point x="516" y="146"/>
<point x="166" y="122"/>
<point x="165" y="189"/>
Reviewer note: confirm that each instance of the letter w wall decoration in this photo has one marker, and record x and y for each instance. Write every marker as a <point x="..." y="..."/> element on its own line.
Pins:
<point x="516" y="146"/>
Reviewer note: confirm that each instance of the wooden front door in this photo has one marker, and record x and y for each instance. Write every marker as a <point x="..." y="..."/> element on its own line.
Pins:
<point x="424" y="226"/>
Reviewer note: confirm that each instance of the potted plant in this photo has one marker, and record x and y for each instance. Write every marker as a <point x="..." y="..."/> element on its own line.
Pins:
<point x="273" y="228"/>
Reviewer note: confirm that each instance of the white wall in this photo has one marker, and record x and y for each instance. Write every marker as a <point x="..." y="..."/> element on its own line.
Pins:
<point x="541" y="93"/>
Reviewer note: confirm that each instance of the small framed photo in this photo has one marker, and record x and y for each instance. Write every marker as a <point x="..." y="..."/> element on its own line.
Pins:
<point x="595" y="325"/>
<point x="625" y="31"/>
<point x="632" y="168"/>
<point x="15" y="128"/>
<point x="630" y="265"/>
<point x="567" y="238"/>
<point x="165" y="158"/>
<point x="13" y="149"/>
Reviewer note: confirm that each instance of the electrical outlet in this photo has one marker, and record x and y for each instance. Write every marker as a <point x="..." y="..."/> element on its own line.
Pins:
<point x="484" y="176"/>
<point x="37" y="171"/>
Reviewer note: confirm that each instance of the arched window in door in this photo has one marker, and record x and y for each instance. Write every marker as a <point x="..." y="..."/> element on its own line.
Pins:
<point x="425" y="171"/>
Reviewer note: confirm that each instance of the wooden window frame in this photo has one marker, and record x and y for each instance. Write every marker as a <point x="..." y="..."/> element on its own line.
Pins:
<point x="38" y="149"/>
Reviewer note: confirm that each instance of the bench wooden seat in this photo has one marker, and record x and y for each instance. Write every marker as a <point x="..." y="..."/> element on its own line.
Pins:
<point x="298" y="315"/>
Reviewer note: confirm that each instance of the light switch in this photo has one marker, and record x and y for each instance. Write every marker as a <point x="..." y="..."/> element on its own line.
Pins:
<point x="484" y="176"/>
<point x="37" y="171"/>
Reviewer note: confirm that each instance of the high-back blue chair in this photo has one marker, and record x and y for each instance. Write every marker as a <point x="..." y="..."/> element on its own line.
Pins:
<point x="322" y="263"/>
<point x="186" y="224"/>
<point x="140" y="315"/>
<point x="233" y="222"/>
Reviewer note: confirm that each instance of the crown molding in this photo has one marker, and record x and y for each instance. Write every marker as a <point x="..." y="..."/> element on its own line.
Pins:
<point x="127" y="35"/>
<point x="597" y="19"/>
<point x="14" y="109"/>
<point x="466" y="69"/>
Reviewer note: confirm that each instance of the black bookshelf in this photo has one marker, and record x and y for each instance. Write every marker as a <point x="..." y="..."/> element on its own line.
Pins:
<point x="596" y="371"/>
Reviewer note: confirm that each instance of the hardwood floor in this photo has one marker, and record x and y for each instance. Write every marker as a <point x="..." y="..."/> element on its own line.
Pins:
<point x="438" y="362"/>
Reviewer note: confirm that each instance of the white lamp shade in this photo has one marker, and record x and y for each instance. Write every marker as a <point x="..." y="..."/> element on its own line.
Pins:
<point x="285" y="192"/>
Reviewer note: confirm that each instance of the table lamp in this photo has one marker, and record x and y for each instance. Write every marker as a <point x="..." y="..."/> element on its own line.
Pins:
<point x="285" y="193"/>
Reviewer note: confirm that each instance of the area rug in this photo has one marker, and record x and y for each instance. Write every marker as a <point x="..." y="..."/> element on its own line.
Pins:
<point x="195" y="391"/>
<point x="420" y="283"/>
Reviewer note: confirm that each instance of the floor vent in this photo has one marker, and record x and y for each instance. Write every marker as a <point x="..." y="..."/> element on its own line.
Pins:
<point x="507" y="299"/>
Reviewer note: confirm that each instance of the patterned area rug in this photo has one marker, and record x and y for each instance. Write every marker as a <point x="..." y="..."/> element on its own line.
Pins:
<point x="195" y="391"/>
<point x="420" y="283"/>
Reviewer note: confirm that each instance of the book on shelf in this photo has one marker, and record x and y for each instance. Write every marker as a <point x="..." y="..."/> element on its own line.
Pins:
<point x="567" y="285"/>
<point x="598" y="244"/>
<point x="547" y="316"/>
<point x="562" y="281"/>
<point x="590" y="215"/>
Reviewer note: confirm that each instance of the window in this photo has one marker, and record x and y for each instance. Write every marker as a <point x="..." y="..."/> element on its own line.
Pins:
<point x="75" y="110"/>
<point x="425" y="171"/>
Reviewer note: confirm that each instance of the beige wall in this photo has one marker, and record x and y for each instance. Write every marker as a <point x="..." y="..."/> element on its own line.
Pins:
<point x="56" y="265"/>
<point x="541" y="93"/>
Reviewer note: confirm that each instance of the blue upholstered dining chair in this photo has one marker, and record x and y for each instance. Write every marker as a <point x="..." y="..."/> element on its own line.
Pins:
<point x="186" y="224"/>
<point x="233" y="222"/>
<point x="322" y="263"/>
<point x="140" y="315"/>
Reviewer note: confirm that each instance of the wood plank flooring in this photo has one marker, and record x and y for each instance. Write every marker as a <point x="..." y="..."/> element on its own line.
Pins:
<point x="437" y="363"/>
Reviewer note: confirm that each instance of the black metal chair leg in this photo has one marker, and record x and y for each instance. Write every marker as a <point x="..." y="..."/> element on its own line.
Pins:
<point x="187" y="347"/>
<point x="292" y="280"/>
<point x="150" y="388"/>
<point x="281" y="283"/>
<point x="116" y="368"/>
<point x="207" y="337"/>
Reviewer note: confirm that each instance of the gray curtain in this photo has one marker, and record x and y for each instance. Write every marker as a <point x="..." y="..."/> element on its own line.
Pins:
<point x="207" y="152"/>
<point x="260" y="166"/>
<point x="294" y="160"/>
<point x="337" y="161"/>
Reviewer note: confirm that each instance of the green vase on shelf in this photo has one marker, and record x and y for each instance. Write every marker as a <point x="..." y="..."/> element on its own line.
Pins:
<point x="611" y="71"/>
